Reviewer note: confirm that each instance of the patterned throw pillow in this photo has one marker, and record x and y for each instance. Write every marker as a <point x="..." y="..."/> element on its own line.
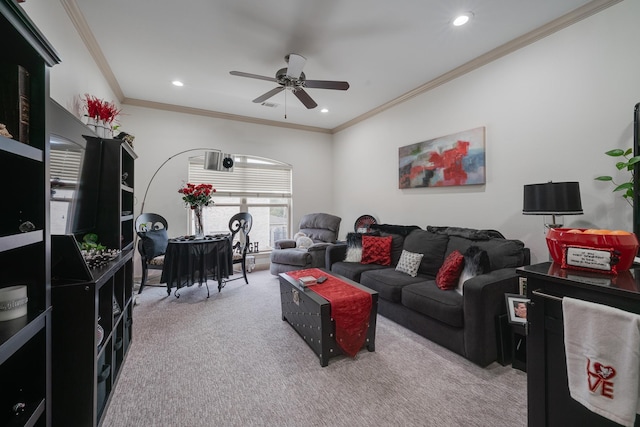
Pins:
<point x="409" y="263"/>
<point x="354" y="246"/>
<point x="449" y="273"/>
<point x="376" y="250"/>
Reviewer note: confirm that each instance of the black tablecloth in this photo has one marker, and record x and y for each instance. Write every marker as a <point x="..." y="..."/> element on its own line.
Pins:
<point x="188" y="261"/>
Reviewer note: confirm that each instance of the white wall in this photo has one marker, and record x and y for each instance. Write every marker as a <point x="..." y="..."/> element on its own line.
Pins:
<point x="161" y="134"/>
<point x="550" y="110"/>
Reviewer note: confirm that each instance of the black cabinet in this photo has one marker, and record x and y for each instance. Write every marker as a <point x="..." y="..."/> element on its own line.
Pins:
<point x="91" y="332"/>
<point x="549" y="402"/>
<point x="25" y="342"/>
<point x="93" y="315"/>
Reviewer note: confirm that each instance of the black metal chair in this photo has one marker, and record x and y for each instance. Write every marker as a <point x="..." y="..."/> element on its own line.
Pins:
<point x="152" y="230"/>
<point x="240" y="225"/>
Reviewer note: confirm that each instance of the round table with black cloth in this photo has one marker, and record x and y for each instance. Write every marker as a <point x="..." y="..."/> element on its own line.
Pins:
<point x="188" y="261"/>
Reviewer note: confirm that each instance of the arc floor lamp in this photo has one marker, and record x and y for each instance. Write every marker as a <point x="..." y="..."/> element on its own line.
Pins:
<point x="214" y="160"/>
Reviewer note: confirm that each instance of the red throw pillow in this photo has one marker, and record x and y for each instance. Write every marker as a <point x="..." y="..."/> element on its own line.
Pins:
<point x="376" y="250"/>
<point x="449" y="273"/>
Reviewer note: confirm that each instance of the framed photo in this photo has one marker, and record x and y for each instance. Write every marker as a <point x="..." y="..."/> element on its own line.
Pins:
<point x="516" y="308"/>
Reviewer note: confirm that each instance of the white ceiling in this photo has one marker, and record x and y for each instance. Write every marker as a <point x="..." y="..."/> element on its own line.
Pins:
<point x="384" y="49"/>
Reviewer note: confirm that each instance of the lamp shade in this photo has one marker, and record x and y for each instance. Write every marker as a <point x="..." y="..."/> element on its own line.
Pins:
<point x="217" y="161"/>
<point x="552" y="198"/>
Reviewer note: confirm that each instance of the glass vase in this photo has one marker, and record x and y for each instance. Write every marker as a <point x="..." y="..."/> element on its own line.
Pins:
<point x="197" y="221"/>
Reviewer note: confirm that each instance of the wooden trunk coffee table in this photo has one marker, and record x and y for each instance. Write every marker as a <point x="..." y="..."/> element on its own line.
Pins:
<point x="310" y="316"/>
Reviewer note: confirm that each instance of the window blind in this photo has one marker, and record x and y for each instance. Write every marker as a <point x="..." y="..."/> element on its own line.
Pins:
<point x="246" y="180"/>
<point x="65" y="165"/>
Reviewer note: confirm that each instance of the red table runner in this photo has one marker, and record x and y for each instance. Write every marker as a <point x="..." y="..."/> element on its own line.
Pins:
<point x="350" y="308"/>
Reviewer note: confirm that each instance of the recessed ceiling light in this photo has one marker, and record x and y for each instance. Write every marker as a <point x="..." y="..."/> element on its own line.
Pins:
<point x="462" y="19"/>
<point x="324" y="110"/>
<point x="177" y="83"/>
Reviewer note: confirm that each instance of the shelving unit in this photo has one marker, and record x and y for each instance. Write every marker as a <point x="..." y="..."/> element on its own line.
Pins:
<point x="86" y="366"/>
<point x="93" y="307"/>
<point x="25" y="342"/>
<point x="115" y="218"/>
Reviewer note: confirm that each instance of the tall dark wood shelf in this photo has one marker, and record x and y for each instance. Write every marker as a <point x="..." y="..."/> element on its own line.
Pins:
<point x="25" y="342"/>
<point x="86" y="366"/>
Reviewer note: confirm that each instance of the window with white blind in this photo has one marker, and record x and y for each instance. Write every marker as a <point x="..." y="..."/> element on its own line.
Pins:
<point x="65" y="165"/>
<point x="256" y="185"/>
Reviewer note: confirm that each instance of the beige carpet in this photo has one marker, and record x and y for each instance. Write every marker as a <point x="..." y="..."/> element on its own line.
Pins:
<point x="231" y="361"/>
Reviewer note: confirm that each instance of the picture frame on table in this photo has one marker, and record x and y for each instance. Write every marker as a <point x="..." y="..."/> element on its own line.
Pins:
<point x="516" y="308"/>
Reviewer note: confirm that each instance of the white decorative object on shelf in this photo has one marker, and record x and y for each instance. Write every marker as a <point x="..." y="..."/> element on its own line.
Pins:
<point x="13" y="302"/>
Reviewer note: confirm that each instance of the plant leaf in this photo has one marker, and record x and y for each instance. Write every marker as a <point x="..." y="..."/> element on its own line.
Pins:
<point x="621" y="165"/>
<point x="625" y="186"/>
<point x="615" y="152"/>
<point x="603" y="178"/>
<point x="628" y="152"/>
<point x="634" y="160"/>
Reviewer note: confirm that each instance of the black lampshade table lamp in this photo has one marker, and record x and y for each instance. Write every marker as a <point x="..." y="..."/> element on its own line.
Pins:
<point x="554" y="199"/>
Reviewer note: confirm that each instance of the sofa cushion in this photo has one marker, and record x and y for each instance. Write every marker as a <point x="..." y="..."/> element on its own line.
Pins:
<point x="449" y="273"/>
<point x="293" y="256"/>
<point x="409" y="263"/>
<point x="376" y="250"/>
<point x="353" y="270"/>
<point x="503" y="253"/>
<point x="389" y="282"/>
<point x="320" y="227"/>
<point x="354" y="246"/>
<point x="425" y="297"/>
<point x="432" y="245"/>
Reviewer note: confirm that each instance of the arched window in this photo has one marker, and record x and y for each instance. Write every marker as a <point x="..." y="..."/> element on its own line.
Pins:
<point x="256" y="185"/>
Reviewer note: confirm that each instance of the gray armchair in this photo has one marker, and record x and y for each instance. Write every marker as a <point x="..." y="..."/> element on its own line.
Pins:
<point x="322" y="228"/>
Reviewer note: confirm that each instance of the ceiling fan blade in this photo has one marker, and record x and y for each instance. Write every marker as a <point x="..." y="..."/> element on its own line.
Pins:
<point x="268" y="94"/>
<point x="296" y="64"/>
<point x="253" y="76"/>
<point x="326" y="84"/>
<point x="305" y="98"/>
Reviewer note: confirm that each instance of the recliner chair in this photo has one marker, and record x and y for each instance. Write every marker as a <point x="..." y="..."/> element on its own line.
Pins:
<point x="322" y="229"/>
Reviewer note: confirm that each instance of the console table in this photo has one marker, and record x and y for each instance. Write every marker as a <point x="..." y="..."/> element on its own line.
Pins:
<point x="549" y="402"/>
<point x="188" y="261"/>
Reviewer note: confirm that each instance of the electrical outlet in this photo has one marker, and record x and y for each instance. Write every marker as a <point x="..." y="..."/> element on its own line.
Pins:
<point x="522" y="281"/>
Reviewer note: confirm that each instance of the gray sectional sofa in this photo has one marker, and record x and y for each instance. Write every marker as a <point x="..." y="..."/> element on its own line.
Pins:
<point x="463" y="320"/>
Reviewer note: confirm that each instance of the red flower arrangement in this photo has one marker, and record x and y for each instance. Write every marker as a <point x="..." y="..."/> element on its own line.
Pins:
<point x="99" y="109"/>
<point x="197" y="195"/>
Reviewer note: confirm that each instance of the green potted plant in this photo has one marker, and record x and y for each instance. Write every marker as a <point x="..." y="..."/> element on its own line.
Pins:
<point x="629" y="165"/>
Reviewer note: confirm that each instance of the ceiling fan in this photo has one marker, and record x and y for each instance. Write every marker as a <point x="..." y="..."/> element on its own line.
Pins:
<point x="293" y="78"/>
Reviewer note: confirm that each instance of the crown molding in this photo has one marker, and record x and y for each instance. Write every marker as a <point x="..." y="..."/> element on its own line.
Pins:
<point x="215" y="114"/>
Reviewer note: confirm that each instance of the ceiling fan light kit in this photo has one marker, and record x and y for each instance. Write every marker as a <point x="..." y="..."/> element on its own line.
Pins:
<point x="293" y="79"/>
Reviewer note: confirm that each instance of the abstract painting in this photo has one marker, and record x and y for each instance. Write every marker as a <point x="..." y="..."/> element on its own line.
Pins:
<point x="457" y="159"/>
